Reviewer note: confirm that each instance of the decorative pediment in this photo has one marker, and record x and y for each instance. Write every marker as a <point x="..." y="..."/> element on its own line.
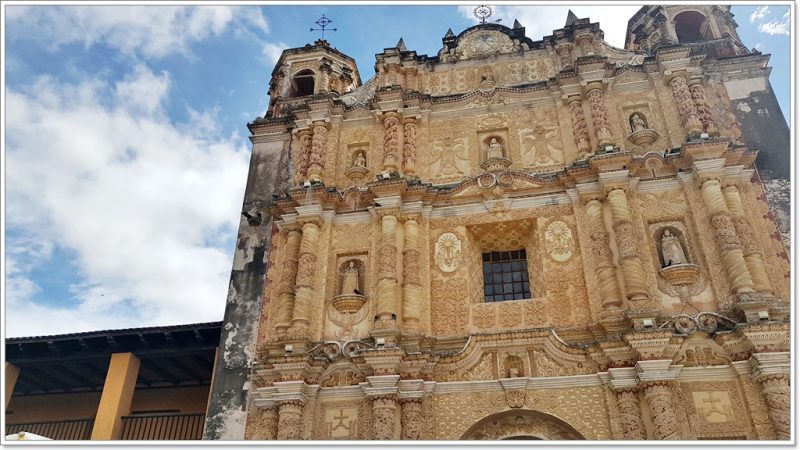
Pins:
<point x="481" y="42"/>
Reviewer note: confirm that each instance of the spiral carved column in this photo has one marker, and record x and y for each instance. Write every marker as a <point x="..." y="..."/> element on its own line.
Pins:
<point x="698" y="94"/>
<point x="726" y="238"/>
<point x="605" y="269"/>
<point x="302" y="155"/>
<point x="383" y="411"/>
<point x="290" y="420"/>
<point x="410" y="146"/>
<point x="686" y="107"/>
<point x="304" y="291"/>
<point x="286" y="286"/>
<point x="775" y="388"/>
<point x="411" y="418"/>
<point x="411" y="277"/>
<point x="630" y="415"/>
<point x="391" y="142"/>
<point x="750" y="249"/>
<point x="594" y="92"/>
<point x="387" y="269"/>
<point x="319" y="145"/>
<point x="579" y="130"/>
<point x="659" y="399"/>
<point x="630" y="263"/>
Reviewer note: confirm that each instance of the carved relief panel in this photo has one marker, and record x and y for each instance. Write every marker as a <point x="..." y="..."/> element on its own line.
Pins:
<point x="450" y="159"/>
<point x="715" y="409"/>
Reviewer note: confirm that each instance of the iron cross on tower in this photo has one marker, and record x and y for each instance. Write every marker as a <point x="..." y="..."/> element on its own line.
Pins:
<point x="323" y="22"/>
<point x="483" y="12"/>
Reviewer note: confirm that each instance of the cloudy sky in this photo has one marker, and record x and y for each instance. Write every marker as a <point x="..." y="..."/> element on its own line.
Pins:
<point x="126" y="148"/>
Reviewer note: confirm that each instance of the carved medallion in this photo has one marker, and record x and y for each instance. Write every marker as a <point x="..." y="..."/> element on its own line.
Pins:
<point x="558" y="238"/>
<point x="448" y="251"/>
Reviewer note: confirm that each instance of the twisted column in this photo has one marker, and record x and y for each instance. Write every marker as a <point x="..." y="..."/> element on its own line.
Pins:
<point x="303" y="152"/>
<point x="286" y="285"/>
<point x="391" y="142"/>
<point x="725" y="237"/>
<point x="594" y="92"/>
<point x="387" y="269"/>
<point x="750" y="249"/>
<point x="686" y="107"/>
<point x="605" y="269"/>
<point x="698" y="93"/>
<point x="411" y="278"/>
<point x="631" y="264"/>
<point x="579" y="131"/>
<point x="659" y="399"/>
<point x="290" y="420"/>
<point x="316" y="160"/>
<point x="410" y="146"/>
<point x="324" y="78"/>
<point x="775" y="388"/>
<point x="630" y="415"/>
<point x="383" y="410"/>
<point x="304" y="291"/>
<point x="564" y="57"/>
<point x="411" y="418"/>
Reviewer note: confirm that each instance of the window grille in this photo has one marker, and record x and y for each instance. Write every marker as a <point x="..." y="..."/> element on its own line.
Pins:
<point x="505" y="276"/>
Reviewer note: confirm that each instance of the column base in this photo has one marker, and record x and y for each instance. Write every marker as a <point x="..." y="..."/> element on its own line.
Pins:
<point x="754" y="307"/>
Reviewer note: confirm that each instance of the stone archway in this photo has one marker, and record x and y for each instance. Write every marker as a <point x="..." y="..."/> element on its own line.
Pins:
<point x="519" y="424"/>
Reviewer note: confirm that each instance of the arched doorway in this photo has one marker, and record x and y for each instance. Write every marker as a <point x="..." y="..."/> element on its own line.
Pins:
<point x="521" y="424"/>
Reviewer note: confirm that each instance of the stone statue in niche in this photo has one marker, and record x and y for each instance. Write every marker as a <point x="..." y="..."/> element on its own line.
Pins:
<point x="359" y="160"/>
<point x="350" y="280"/>
<point x="638" y="122"/>
<point x="672" y="250"/>
<point x="494" y="150"/>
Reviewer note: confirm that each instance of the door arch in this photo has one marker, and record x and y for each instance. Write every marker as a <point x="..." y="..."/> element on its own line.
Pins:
<point x="518" y="424"/>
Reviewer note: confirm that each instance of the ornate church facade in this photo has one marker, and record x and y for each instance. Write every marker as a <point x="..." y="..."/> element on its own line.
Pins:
<point x="513" y="239"/>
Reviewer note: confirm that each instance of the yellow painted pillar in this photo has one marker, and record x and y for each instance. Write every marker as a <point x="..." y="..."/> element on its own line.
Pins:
<point x="115" y="401"/>
<point x="12" y="373"/>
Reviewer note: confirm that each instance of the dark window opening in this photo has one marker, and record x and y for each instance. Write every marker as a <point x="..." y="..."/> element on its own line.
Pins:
<point x="691" y="26"/>
<point x="302" y="84"/>
<point x="505" y="276"/>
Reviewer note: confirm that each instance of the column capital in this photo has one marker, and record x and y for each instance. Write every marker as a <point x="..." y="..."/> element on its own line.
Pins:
<point x="656" y="371"/>
<point x="770" y="364"/>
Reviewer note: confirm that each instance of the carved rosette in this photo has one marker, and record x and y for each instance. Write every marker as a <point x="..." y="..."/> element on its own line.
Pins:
<point x="304" y="292"/>
<point x="776" y="393"/>
<point x="665" y="421"/>
<point x="302" y="154"/>
<point x="410" y="146"/>
<point x="579" y="131"/>
<point x="686" y="107"/>
<point x="599" y="113"/>
<point x="383" y="410"/>
<point x="287" y="282"/>
<point x="630" y="415"/>
<point x="319" y="145"/>
<point x="698" y="94"/>
<point x="391" y="143"/>
<point x="412" y="418"/>
<point x="290" y="420"/>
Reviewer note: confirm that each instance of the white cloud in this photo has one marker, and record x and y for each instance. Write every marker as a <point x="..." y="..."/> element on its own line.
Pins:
<point x="540" y="21"/>
<point x="775" y="27"/>
<point x="149" y="31"/>
<point x="759" y="46"/>
<point x="148" y="207"/>
<point x="272" y="52"/>
<point x="759" y="13"/>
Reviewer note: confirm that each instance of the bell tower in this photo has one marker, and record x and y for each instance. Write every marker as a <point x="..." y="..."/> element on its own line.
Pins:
<point x="317" y="69"/>
<point x="709" y="26"/>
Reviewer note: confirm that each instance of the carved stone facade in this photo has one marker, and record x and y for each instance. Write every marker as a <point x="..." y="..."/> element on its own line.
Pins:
<point x="479" y="245"/>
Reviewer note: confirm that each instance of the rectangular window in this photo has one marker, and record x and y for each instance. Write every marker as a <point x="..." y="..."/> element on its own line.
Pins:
<point x="505" y="276"/>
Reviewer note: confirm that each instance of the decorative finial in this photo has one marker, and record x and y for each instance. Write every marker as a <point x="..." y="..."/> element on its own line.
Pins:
<point x="323" y="22"/>
<point x="483" y="12"/>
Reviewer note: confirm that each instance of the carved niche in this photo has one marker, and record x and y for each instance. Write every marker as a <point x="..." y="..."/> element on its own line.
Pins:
<point x="448" y="252"/>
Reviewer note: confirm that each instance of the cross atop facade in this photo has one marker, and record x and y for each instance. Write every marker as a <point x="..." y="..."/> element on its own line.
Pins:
<point x="323" y="22"/>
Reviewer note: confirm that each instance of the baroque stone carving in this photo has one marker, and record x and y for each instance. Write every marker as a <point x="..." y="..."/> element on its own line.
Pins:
<point x="559" y="242"/>
<point x="630" y="415"/>
<point x="448" y="252"/>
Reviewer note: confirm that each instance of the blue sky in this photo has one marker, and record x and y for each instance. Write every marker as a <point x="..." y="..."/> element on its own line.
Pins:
<point x="126" y="144"/>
